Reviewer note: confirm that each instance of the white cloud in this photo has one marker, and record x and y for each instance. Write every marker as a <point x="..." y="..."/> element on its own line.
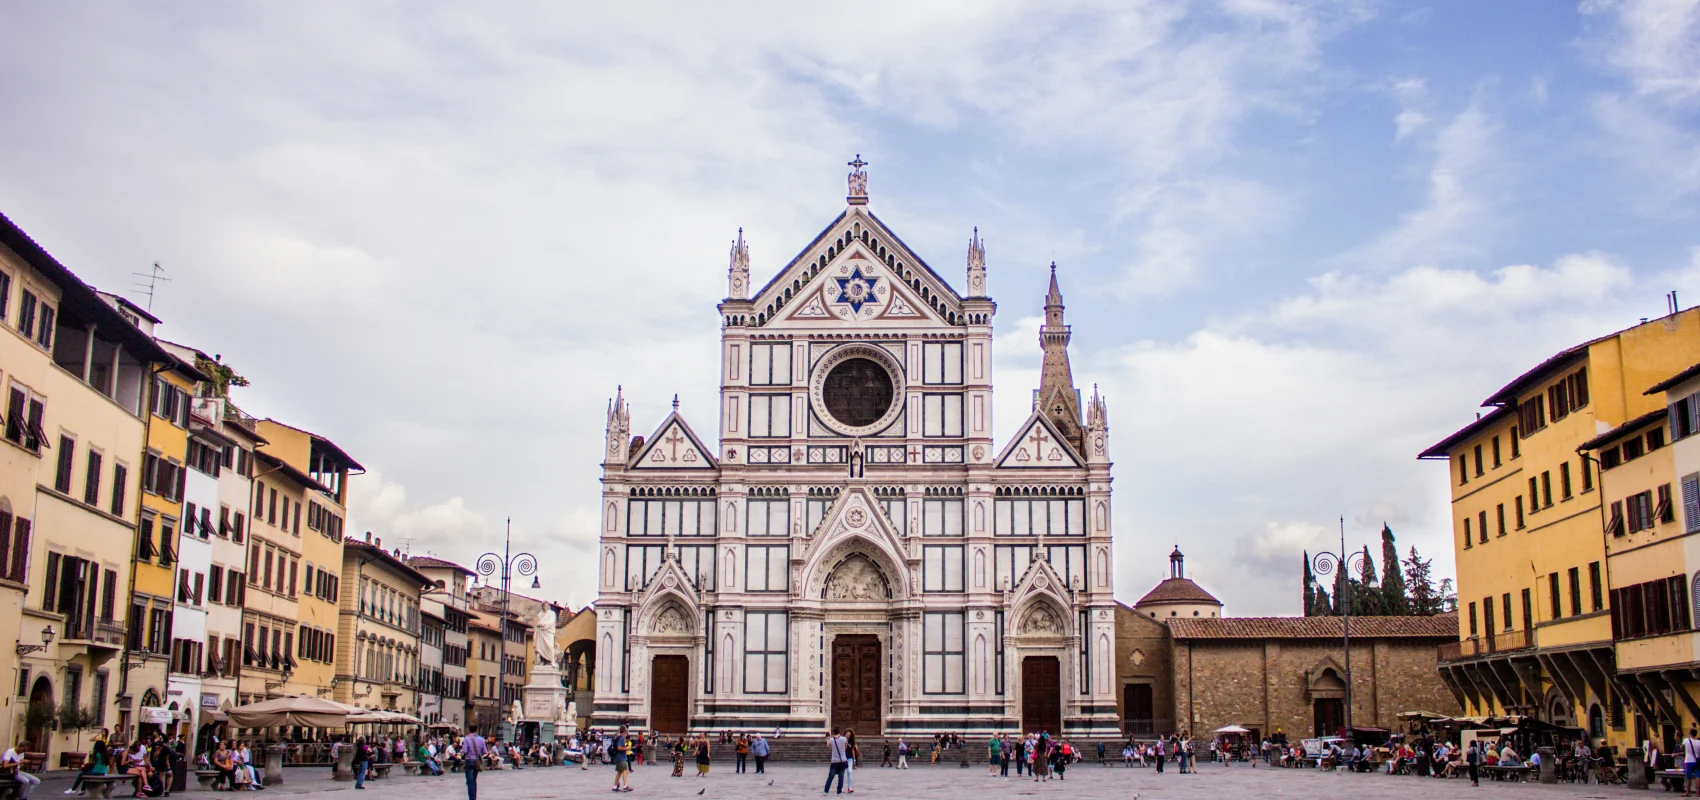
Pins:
<point x="1656" y="44"/>
<point x="1453" y="221"/>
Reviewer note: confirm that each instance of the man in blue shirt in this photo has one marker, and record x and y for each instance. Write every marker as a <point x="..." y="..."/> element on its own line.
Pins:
<point x="472" y="750"/>
<point x="622" y="748"/>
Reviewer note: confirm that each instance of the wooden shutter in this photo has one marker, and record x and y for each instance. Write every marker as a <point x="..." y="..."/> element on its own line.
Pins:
<point x="50" y="587"/>
<point x="6" y="541"/>
<point x="1691" y="503"/>
<point x="16" y="422"/>
<point x="91" y="480"/>
<point x="1664" y="512"/>
<point x="67" y="453"/>
<point x="35" y="432"/>
<point x="109" y="595"/>
<point x="120" y="484"/>
<point x="20" y="550"/>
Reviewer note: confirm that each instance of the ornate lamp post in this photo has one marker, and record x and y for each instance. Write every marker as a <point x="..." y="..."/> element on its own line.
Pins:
<point x="1324" y="563"/>
<point x="508" y="563"/>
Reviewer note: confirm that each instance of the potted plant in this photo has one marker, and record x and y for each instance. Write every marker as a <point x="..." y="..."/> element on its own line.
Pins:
<point x="76" y="718"/>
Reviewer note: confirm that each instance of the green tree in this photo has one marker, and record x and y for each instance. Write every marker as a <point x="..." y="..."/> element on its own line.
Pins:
<point x="1394" y="601"/>
<point x="1424" y="599"/>
<point x="1310" y="588"/>
<point x="1323" y="606"/>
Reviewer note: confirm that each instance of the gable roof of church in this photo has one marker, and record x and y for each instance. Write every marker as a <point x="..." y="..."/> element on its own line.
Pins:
<point x="1037" y="418"/>
<point x="902" y="253"/>
<point x="640" y="459"/>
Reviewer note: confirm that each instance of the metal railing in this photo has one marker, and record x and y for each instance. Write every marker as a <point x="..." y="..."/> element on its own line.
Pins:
<point x="1474" y="647"/>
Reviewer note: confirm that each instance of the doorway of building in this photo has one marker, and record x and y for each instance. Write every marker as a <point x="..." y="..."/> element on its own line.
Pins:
<point x="1136" y="710"/>
<point x="1328" y="716"/>
<point x="41" y="704"/>
<point x="856" y="684"/>
<point x="669" y="694"/>
<point x="1041" y="695"/>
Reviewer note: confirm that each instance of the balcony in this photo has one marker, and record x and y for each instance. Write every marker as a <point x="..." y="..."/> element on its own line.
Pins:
<point x="1476" y="647"/>
<point x="106" y="634"/>
<point x="235" y="415"/>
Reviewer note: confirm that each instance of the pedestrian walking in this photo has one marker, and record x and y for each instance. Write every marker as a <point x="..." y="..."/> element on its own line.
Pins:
<point x="902" y="754"/>
<point x="1003" y="758"/>
<point x="851" y="756"/>
<point x="702" y="755"/>
<point x="678" y="750"/>
<point x="1160" y="754"/>
<point x="838" y="755"/>
<point x="759" y="749"/>
<point x="622" y="751"/>
<point x="473" y="748"/>
<point x="994" y="752"/>
<point x="742" y="752"/>
<point x="885" y="755"/>
<point x="362" y="762"/>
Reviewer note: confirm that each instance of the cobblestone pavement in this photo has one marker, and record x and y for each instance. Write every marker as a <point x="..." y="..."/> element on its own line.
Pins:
<point x="1084" y="782"/>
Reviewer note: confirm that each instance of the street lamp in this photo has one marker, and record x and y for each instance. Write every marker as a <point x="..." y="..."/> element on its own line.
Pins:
<point x="46" y="639"/>
<point x="1324" y="563"/>
<point x="508" y="564"/>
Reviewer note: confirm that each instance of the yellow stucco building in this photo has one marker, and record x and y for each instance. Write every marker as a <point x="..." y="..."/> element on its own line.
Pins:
<point x="76" y="370"/>
<point x="315" y="525"/>
<point x="1651" y="511"/>
<point x="378" y="660"/>
<point x="271" y="604"/>
<point x="1533" y="590"/>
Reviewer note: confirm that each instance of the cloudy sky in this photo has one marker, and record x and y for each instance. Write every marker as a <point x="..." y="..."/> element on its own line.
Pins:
<point x="1299" y="241"/>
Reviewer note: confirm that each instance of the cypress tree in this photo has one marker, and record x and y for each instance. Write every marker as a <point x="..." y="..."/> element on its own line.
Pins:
<point x="1310" y="588"/>
<point x="1394" y="601"/>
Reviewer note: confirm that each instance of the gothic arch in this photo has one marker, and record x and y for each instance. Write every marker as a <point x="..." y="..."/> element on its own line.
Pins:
<point x="856" y="578"/>
<point x="819" y="569"/>
<point x="1042" y="615"/>
<point x="670" y="585"/>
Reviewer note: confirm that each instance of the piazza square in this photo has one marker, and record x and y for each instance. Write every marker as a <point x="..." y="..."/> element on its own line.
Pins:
<point x="1085" y="781"/>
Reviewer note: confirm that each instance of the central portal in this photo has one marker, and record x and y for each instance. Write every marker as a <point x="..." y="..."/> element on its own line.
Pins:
<point x="1041" y="695"/>
<point x="856" y="684"/>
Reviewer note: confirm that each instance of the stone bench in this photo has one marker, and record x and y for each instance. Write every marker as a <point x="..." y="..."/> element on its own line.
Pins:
<point x="411" y="767"/>
<point x="380" y="771"/>
<point x="1672" y="779"/>
<point x="208" y="778"/>
<point x="101" y="785"/>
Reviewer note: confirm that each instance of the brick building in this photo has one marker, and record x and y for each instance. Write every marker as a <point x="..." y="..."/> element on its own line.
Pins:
<point x="1179" y="660"/>
<point x="1286" y="674"/>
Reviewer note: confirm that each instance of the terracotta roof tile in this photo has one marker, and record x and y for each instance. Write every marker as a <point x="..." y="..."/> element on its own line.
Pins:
<point x="1178" y="590"/>
<point x="1444" y="626"/>
<point x="432" y="562"/>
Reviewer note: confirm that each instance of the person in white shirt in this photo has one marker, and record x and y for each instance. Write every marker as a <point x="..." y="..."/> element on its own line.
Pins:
<point x="12" y="764"/>
<point x="1690" y="762"/>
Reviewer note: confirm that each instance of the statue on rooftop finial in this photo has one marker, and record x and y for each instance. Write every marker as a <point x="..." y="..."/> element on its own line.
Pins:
<point x="858" y="182"/>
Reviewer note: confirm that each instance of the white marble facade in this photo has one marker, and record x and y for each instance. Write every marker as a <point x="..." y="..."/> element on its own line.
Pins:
<point x="855" y="548"/>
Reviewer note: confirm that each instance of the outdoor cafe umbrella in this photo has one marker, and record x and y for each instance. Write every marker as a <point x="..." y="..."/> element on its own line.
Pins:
<point x="1232" y="729"/>
<point x="306" y="712"/>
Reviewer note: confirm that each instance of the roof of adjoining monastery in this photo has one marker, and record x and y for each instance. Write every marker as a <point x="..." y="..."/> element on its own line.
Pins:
<point x="1443" y="626"/>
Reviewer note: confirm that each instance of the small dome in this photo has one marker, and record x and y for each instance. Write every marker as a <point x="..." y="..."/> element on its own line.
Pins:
<point x="1177" y="590"/>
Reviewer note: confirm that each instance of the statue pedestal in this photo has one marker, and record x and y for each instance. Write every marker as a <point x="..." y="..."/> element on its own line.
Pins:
<point x="545" y="697"/>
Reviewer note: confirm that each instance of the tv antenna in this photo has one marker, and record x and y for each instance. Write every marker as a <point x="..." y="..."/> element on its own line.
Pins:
<point x="153" y="277"/>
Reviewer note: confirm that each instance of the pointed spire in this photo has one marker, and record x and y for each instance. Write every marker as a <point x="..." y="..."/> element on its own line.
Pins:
<point x="738" y="275"/>
<point x="675" y="402"/>
<point x="1057" y="397"/>
<point x="976" y="266"/>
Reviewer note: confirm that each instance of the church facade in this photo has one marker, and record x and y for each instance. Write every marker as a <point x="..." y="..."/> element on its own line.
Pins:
<point x="851" y="546"/>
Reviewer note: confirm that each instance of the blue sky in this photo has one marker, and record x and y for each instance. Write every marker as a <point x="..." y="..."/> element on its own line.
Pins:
<point x="1299" y="242"/>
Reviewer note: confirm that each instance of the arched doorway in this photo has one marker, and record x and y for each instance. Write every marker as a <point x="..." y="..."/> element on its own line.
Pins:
<point x="1328" y="702"/>
<point x="1559" y="711"/>
<point x="39" y="715"/>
